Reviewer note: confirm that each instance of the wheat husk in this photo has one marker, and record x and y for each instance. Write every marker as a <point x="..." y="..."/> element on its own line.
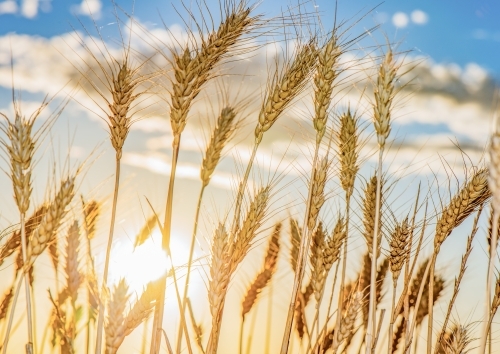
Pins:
<point x="265" y="275"/>
<point x="115" y="318"/>
<point x="220" y="136"/>
<point x="56" y="211"/>
<point x="347" y="140"/>
<point x="473" y="193"/>
<point x="286" y="86"/>
<point x="384" y="93"/>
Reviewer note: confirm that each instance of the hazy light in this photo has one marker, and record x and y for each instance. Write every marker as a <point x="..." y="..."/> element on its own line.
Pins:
<point x="419" y="17"/>
<point x="140" y="266"/>
<point x="400" y="19"/>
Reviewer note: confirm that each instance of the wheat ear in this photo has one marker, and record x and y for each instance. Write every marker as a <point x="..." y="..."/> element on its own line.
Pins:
<point x="21" y="148"/>
<point x="286" y="87"/>
<point x="265" y="275"/>
<point x="348" y="321"/>
<point x="326" y="72"/>
<point x="399" y="249"/>
<point x="262" y="279"/>
<point x="458" y="341"/>
<point x="472" y="194"/>
<point x="228" y="254"/>
<point x="14" y="241"/>
<point x="115" y="318"/>
<point x="190" y="74"/>
<point x="73" y="276"/>
<point x="220" y="273"/>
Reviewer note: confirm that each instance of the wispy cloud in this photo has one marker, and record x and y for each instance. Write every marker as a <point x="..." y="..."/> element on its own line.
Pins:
<point x="89" y="8"/>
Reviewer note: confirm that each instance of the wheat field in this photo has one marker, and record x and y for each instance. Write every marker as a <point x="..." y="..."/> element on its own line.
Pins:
<point x="286" y="214"/>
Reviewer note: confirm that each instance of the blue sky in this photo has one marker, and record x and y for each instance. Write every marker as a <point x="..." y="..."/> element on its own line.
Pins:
<point x="453" y="31"/>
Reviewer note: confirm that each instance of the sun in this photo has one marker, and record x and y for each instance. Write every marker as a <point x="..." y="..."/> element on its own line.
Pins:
<point x="139" y="265"/>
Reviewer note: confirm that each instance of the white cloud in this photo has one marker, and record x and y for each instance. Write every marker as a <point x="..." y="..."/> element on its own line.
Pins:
<point x="29" y="8"/>
<point x="8" y="7"/>
<point x="158" y="163"/>
<point x="400" y="19"/>
<point x="419" y="17"/>
<point x="89" y="8"/>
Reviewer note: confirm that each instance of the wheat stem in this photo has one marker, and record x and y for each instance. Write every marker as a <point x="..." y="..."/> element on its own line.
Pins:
<point x="372" y="318"/>
<point x="100" y="317"/>
<point x="190" y="260"/>
<point x="11" y="316"/>
<point x="493" y="246"/>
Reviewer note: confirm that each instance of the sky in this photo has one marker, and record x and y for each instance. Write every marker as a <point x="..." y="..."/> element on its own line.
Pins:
<point x="454" y="47"/>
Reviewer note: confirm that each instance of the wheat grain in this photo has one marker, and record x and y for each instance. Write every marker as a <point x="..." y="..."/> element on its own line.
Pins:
<point x="265" y="275"/>
<point x="73" y="276"/>
<point x="14" y="241"/>
<point x="317" y="191"/>
<point x="399" y="248"/>
<point x="384" y="94"/>
<point x="285" y="87"/>
<point x="369" y="212"/>
<point x="295" y="235"/>
<point x="316" y="259"/>
<point x="115" y="318"/>
<point x="4" y="305"/>
<point x="141" y="309"/>
<point x="220" y="136"/>
<point x="349" y="320"/>
<point x="331" y="253"/>
<point x="50" y="222"/>
<point x="326" y="73"/>
<point x="250" y="225"/>
<point x="473" y="193"/>
<point x="347" y="140"/>
<point x="91" y="212"/>
<point x="192" y="71"/>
